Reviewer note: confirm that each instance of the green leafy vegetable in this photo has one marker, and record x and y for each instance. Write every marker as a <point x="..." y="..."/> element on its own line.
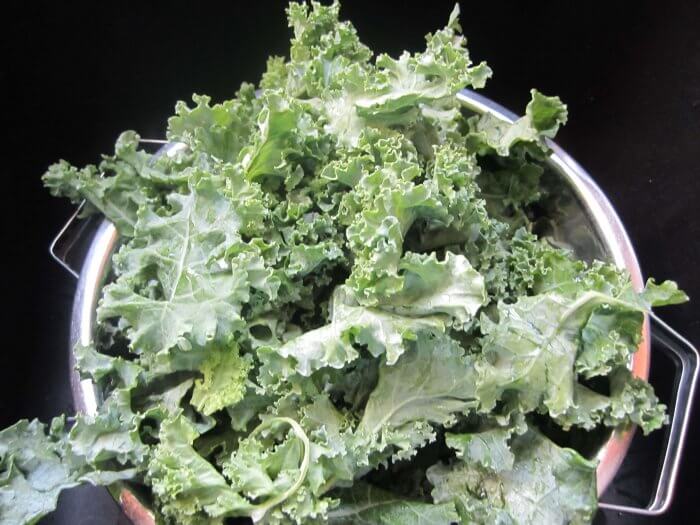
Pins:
<point x="545" y="484"/>
<point x="197" y="294"/>
<point x="367" y="504"/>
<point x="488" y="449"/>
<point x="35" y="467"/>
<point x="432" y="382"/>
<point x="330" y="305"/>
<point x="223" y="385"/>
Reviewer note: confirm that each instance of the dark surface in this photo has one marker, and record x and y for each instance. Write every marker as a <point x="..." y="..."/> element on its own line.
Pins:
<point x="74" y="77"/>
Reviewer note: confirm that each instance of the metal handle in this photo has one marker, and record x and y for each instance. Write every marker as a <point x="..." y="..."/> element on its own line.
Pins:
<point x="68" y="240"/>
<point x="64" y="244"/>
<point x="686" y="358"/>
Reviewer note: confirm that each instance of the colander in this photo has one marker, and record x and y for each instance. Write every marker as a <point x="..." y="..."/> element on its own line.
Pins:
<point x="586" y="222"/>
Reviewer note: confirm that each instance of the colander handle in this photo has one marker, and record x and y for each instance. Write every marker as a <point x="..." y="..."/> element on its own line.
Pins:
<point x="64" y="246"/>
<point x="685" y="357"/>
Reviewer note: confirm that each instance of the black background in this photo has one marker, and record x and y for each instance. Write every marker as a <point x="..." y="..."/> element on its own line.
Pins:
<point x="74" y="76"/>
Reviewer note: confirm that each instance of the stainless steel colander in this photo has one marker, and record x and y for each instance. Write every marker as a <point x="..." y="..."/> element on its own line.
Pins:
<point x="589" y="225"/>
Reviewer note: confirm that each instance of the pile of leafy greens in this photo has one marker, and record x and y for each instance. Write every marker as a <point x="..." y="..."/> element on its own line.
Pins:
<point x="332" y="306"/>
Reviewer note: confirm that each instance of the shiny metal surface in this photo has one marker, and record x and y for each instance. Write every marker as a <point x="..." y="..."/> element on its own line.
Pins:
<point x="592" y="229"/>
<point x="686" y="358"/>
<point x="90" y="281"/>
